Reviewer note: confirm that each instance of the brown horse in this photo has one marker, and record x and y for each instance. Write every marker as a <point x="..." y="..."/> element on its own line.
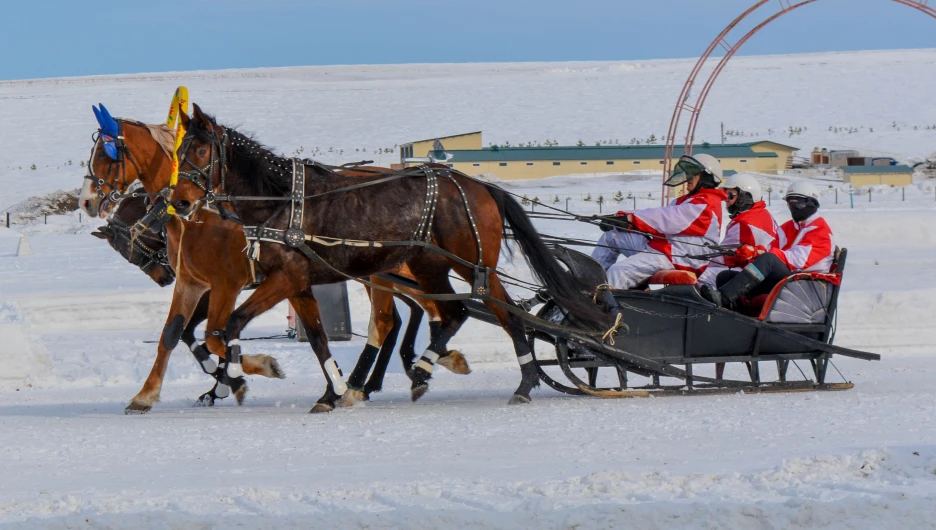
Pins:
<point x="147" y="251"/>
<point x="363" y="226"/>
<point x="142" y="156"/>
<point x="194" y="278"/>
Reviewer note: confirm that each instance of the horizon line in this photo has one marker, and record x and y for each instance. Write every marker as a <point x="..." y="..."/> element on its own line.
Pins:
<point x="348" y="65"/>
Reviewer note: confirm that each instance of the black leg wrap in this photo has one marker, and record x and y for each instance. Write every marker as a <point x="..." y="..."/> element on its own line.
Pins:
<point x="363" y="366"/>
<point x="203" y="356"/>
<point x="234" y="354"/>
<point x="173" y="332"/>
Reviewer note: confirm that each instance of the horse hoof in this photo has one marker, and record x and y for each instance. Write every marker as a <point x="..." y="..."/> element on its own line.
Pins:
<point x="351" y="398"/>
<point x="137" y="408"/>
<point x="321" y="407"/>
<point x="368" y="391"/>
<point x="454" y="362"/>
<point x="517" y="399"/>
<point x="205" y="400"/>
<point x="275" y="370"/>
<point x="240" y="394"/>
<point x="418" y="391"/>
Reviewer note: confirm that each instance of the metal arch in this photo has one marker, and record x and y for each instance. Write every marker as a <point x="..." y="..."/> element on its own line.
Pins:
<point x="695" y="110"/>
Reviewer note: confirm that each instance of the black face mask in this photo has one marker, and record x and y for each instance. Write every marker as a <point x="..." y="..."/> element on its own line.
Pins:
<point x="802" y="208"/>
<point x="744" y="203"/>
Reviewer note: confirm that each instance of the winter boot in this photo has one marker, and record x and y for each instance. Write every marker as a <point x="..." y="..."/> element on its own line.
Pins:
<point x="711" y="294"/>
<point x="730" y="293"/>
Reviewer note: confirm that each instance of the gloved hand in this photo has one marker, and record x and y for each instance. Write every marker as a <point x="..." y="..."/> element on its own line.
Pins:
<point x="618" y="221"/>
<point x="749" y="252"/>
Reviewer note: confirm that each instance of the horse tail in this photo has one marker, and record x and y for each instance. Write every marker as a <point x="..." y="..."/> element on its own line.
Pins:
<point x="567" y="290"/>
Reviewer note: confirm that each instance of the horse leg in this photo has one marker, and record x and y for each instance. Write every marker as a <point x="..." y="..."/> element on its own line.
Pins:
<point x="307" y="309"/>
<point x="375" y="382"/>
<point x="451" y="360"/>
<point x="408" y="347"/>
<point x="514" y="327"/>
<point x="451" y="316"/>
<point x="381" y="324"/>
<point x="274" y="289"/>
<point x="185" y="298"/>
<point x="199" y="351"/>
<point x="223" y="298"/>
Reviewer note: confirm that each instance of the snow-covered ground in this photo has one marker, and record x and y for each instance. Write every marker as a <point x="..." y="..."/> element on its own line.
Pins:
<point x="75" y="321"/>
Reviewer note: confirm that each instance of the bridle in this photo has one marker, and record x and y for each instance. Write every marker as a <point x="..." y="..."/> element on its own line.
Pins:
<point x="134" y="241"/>
<point x="203" y="177"/>
<point x="117" y="168"/>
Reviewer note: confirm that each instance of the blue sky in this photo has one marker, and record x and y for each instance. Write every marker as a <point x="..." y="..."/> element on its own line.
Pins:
<point x="52" y="38"/>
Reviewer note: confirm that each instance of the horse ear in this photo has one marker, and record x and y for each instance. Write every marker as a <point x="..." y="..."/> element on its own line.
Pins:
<point x="99" y="233"/>
<point x="108" y="123"/>
<point x="201" y="117"/>
<point x="184" y="117"/>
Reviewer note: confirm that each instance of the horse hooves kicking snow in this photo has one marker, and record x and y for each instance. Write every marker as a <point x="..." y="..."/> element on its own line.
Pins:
<point x="454" y="362"/>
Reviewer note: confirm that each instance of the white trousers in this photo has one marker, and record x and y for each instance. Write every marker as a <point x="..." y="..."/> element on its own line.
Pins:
<point x="641" y="261"/>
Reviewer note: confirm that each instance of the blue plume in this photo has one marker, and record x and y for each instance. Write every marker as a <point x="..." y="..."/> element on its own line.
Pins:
<point x="108" y="124"/>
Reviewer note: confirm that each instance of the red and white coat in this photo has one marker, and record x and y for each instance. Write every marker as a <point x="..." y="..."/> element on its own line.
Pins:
<point x="755" y="227"/>
<point x="681" y="228"/>
<point x="806" y="246"/>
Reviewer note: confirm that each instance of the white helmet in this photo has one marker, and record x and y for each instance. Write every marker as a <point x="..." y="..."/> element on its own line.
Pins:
<point x="711" y="164"/>
<point x="802" y="188"/>
<point x="689" y="166"/>
<point x="744" y="182"/>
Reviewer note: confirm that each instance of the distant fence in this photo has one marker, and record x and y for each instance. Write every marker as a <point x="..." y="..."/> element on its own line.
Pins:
<point x="600" y="202"/>
<point x="13" y="219"/>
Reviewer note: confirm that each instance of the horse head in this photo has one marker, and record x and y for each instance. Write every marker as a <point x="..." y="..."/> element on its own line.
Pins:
<point x="123" y="153"/>
<point x="147" y="250"/>
<point x="201" y="161"/>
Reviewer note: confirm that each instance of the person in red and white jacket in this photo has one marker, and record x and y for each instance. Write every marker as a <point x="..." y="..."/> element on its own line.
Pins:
<point x="663" y="237"/>
<point x="805" y="244"/>
<point x="752" y="229"/>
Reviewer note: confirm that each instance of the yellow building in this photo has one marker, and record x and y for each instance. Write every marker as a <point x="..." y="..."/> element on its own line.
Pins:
<point x="464" y="153"/>
<point x="784" y="160"/>
<point x="421" y="148"/>
<point x="859" y="176"/>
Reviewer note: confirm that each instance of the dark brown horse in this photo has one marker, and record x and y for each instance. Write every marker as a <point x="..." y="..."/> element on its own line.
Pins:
<point x="343" y="217"/>
<point x="146" y="250"/>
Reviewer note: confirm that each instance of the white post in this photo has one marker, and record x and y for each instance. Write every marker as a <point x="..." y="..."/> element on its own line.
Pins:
<point x="23" y="248"/>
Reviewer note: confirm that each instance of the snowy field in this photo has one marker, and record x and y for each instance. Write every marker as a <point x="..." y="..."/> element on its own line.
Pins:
<point x="75" y="321"/>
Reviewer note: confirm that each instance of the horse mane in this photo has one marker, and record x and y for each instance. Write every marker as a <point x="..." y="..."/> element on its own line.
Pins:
<point x="267" y="173"/>
<point x="164" y="136"/>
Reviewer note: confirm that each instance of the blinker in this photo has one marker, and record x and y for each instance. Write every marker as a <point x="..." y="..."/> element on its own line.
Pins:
<point x="110" y="148"/>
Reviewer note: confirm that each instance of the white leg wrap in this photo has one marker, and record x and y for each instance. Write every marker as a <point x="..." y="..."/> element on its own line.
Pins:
<point x="424" y="365"/>
<point x="209" y="365"/>
<point x="222" y="391"/>
<point x="431" y="356"/>
<point x="331" y="368"/>
<point x="235" y="370"/>
<point x="523" y="359"/>
<point x="233" y="342"/>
